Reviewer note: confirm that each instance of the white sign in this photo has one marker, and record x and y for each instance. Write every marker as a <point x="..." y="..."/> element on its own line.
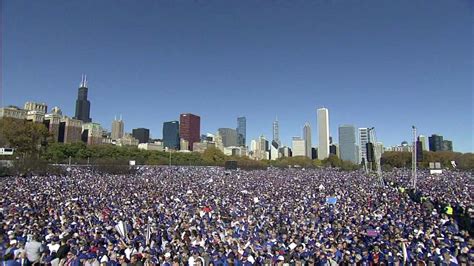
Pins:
<point x="436" y="171"/>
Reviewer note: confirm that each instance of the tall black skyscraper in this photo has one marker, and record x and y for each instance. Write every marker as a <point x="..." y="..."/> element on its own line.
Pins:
<point x="142" y="134"/>
<point x="171" y="135"/>
<point x="83" y="106"/>
<point x="241" y="131"/>
<point x="435" y="142"/>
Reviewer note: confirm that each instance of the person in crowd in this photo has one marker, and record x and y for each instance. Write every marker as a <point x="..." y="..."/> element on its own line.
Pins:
<point x="33" y="249"/>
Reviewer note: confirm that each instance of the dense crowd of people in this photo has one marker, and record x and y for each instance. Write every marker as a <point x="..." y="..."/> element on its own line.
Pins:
<point x="209" y="216"/>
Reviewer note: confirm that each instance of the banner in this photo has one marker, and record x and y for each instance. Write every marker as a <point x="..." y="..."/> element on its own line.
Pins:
<point x="331" y="200"/>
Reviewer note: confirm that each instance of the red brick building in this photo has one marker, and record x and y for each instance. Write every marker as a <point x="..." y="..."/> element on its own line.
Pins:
<point x="190" y="128"/>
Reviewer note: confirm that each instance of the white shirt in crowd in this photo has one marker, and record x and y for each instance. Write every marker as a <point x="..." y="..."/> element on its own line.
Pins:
<point x="33" y="250"/>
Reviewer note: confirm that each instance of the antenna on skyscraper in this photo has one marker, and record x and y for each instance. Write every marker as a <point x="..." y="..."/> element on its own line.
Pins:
<point x="83" y="81"/>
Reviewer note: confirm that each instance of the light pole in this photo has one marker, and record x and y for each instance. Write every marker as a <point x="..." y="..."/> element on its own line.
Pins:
<point x="377" y="154"/>
<point x="170" y="156"/>
<point x="369" y="163"/>
<point x="413" y="158"/>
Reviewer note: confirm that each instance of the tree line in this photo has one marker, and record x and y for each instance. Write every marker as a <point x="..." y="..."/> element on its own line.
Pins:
<point x="464" y="161"/>
<point x="33" y="141"/>
<point x="79" y="153"/>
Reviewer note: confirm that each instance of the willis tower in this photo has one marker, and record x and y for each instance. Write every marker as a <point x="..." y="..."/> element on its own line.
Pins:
<point x="83" y="106"/>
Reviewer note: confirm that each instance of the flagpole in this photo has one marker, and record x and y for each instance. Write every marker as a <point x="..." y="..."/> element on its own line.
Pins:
<point x="413" y="158"/>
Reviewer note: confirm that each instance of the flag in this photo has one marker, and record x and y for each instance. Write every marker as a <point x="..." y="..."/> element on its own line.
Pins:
<point x="372" y="232"/>
<point x="404" y="248"/>
<point x="148" y="234"/>
<point x="331" y="200"/>
<point x="121" y="229"/>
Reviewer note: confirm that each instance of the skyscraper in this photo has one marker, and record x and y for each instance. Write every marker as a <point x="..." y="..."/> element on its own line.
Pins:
<point x="274" y="151"/>
<point x="253" y="145"/>
<point x="323" y="131"/>
<point x="363" y="140"/>
<point x="83" y="106"/>
<point x="307" y="139"/>
<point x="117" y="128"/>
<point x="424" y="142"/>
<point x="142" y="134"/>
<point x="298" y="147"/>
<point x="262" y="148"/>
<point x="229" y="136"/>
<point x="171" y="135"/>
<point x="347" y="143"/>
<point x="242" y="130"/>
<point x="189" y="128"/>
<point x="276" y="131"/>
<point x="435" y="142"/>
<point x="447" y="145"/>
<point x="333" y="149"/>
<point x="285" y="151"/>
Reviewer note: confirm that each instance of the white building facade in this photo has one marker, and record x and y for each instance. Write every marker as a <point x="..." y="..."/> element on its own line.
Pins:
<point x="323" y="133"/>
<point x="298" y="147"/>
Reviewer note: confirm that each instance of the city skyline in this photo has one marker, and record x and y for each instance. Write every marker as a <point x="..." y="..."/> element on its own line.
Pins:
<point x="388" y="71"/>
<point x="363" y="135"/>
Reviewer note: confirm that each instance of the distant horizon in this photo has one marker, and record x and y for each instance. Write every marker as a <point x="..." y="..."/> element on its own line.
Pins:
<point x="382" y="64"/>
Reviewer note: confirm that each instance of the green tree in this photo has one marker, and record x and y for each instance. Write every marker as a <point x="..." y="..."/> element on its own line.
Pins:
<point x="55" y="152"/>
<point x="332" y="161"/>
<point x="349" y="166"/>
<point x="24" y="136"/>
<point x="317" y="163"/>
<point x="214" y="156"/>
<point x="396" y="159"/>
<point x="403" y="159"/>
<point x="466" y="161"/>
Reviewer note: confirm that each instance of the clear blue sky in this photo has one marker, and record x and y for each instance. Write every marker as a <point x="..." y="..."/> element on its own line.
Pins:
<point x="152" y="60"/>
